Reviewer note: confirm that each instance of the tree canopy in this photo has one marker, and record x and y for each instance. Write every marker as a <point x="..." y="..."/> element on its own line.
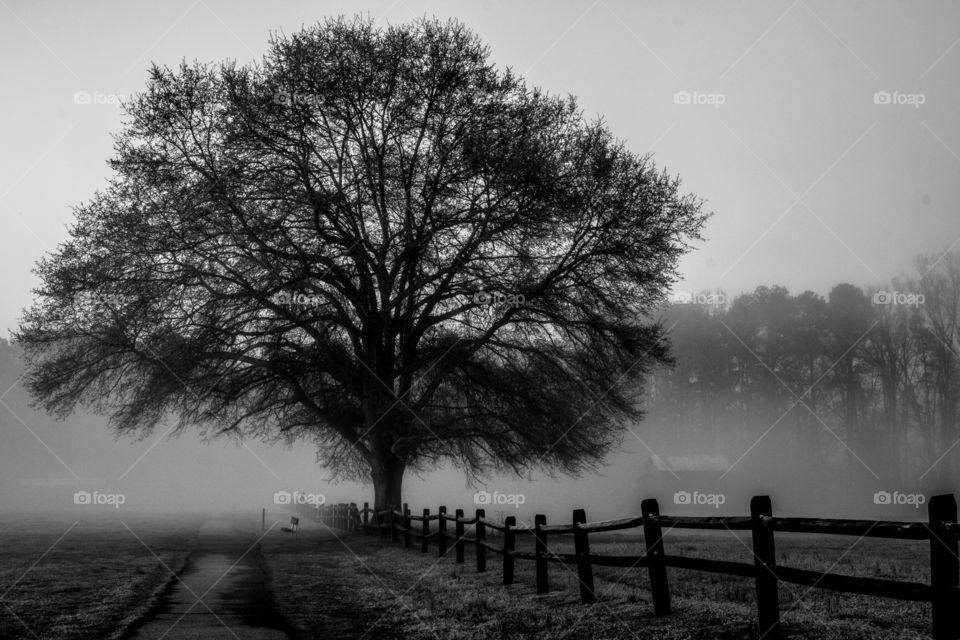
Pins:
<point x="374" y="241"/>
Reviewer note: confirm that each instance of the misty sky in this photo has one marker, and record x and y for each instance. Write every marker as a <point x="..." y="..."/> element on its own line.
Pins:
<point x="811" y="180"/>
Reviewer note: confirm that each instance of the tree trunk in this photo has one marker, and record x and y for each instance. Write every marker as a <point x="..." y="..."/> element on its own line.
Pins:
<point x="387" y="474"/>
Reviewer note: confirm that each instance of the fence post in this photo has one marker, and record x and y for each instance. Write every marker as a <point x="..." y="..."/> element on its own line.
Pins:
<point x="481" y="534"/>
<point x="459" y="530"/>
<point x="393" y="524"/>
<point x="509" y="542"/>
<point x="540" y="550"/>
<point x="425" y="531"/>
<point x="656" y="569"/>
<point x="944" y="567"/>
<point x="366" y="516"/>
<point x="581" y="545"/>
<point x="406" y="525"/>
<point x="442" y="532"/>
<point x="764" y="556"/>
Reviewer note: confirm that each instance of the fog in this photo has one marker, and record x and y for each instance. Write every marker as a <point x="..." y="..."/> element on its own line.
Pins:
<point x="812" y="183"/>
<point x="44" y="461"/>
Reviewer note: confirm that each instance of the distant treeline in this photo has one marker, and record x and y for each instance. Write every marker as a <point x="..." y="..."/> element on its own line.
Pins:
<point x="861" y="378"/>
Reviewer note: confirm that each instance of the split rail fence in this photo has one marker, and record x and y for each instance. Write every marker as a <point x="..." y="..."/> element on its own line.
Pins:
<point x="941" y="530"/>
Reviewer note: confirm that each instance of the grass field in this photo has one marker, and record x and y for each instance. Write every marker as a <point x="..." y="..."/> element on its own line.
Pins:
<point x="358" y="584"/>
<point x="65" y="579"/>
<point x="61" y="579"/>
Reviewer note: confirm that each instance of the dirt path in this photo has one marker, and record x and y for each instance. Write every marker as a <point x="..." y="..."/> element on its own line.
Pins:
<point x="223" y="592"/>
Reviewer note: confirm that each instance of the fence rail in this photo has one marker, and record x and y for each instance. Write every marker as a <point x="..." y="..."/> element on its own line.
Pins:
<point x="941" y="530"/>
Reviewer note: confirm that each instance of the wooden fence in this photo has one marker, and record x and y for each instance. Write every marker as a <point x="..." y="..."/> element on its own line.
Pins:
<point x="941" y="530"/>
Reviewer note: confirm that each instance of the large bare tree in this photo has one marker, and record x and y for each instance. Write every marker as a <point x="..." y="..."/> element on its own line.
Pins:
<point x="374" y="241"/>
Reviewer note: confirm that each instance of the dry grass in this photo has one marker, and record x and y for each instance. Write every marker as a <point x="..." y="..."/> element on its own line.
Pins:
<point x="93" y="583"/>
<point x="357" y="585"/>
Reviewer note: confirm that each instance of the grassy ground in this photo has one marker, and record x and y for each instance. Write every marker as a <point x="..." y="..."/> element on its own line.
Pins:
<point x="354" y="586"/>
<point x="64" y="580"/>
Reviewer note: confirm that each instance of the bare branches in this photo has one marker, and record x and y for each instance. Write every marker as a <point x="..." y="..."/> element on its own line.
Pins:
<point x="308" y="248"/>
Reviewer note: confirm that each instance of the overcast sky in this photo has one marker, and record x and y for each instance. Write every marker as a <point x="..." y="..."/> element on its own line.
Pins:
<point x="811" y="181"/>
<point x="823" y="135"/>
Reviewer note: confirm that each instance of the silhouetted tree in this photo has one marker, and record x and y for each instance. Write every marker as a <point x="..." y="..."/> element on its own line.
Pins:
<point x="376" y="241"/>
